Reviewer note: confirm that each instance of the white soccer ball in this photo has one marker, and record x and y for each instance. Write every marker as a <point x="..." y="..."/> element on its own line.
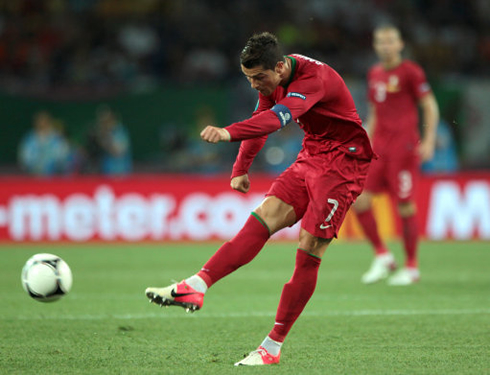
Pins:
<point x="46" y="277"/>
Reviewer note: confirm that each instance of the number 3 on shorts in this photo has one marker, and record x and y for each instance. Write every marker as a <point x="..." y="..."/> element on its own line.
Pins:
<point x="335" y="203"/>
<point x="405" y="184"/>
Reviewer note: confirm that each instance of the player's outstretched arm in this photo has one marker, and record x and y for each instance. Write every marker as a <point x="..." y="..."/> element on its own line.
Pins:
<point x="213" y="134"/>
<point x="370" y="120"/>
<point x="240" y="183"/>
<point x="430" y="116"/>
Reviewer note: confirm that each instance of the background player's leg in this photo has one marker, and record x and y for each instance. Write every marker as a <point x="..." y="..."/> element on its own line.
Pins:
<point x="406" y="174"/>
<point x="364" y="212"/>
<point x="410" y="273"/>
<point x="410" y="232"/>
<point x="384" y="262"/>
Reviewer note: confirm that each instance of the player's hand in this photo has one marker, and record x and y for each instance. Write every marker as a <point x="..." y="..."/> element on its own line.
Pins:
<point x="426" y="150"/>
<point x="213" y="134"/>
<point x="240" y="183"/>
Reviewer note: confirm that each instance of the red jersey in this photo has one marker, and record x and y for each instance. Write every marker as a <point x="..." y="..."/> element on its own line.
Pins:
<point x="395" y="94"/>
<point x="317" y="98"/>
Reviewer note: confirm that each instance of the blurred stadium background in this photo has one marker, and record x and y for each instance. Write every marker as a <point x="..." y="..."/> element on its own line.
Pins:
<point x="164" y="69"/>
<point x="154" y="72"/>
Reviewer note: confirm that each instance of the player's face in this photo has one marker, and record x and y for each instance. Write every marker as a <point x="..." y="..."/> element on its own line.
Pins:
<point x="264" y="81"/>
<point x="388" y="44"/>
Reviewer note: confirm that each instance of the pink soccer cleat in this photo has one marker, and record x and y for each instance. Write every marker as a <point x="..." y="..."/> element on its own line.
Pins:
<point x="178" y="294"/>
<point x="259" y="357"/>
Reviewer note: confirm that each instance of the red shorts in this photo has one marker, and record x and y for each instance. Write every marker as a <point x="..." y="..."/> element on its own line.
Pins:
<point x="396" y="176"/>
<point x="321" y="189"/>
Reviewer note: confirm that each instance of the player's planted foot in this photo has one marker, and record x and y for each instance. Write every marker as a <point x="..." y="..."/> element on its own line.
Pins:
<point x="380" y="269"/>
<point x="405" y="276"/>
<point x="259" y="357"/>
<point x="179" y="294"/>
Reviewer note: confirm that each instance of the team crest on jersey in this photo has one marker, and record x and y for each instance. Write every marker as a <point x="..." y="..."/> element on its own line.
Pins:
<point x="296" y="95"/>
<point x="393" y="84"/>
<point x="424" y="87"/>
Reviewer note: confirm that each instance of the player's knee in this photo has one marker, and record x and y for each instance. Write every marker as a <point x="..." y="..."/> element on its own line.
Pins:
<point x="362" y="203"/>
<point x="406" y="209"/>
<point x="313" y="245"/>
<point x="276" y="214"/>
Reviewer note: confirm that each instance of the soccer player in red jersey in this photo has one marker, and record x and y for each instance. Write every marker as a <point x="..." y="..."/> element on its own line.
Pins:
<point x="319" y="187"/>
<point x="397" y="87"/>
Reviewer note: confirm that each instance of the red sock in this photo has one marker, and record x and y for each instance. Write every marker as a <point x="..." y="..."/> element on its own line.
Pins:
<point x="410" y="240"/>
<point x="368" y="224"/>
<point x="295" y="294"/>
<point x="235" y="253"/>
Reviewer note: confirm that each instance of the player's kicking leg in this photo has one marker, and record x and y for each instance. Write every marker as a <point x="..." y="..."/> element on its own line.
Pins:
<point x="189" y="293"/>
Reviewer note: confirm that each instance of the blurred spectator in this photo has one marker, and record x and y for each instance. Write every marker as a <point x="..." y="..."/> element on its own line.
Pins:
<point x="56" y="45"/>
<point x="79" y="49"/>
<point x="108" y="145"/>
<point x="172" y="139"/>
<point x="199" y="156"/>
<point x="205" y="65"/>
<point x="138" y="39"/>
<point x="43" y="151"/>
<point x="281" y="149"/>
<point x="76" y="154"/>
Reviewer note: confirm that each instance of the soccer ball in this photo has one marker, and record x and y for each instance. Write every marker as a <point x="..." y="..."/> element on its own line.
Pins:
<point x="46" y="277"/>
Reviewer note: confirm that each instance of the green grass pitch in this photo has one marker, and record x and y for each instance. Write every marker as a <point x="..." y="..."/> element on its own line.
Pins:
<point x="106" y="326"/>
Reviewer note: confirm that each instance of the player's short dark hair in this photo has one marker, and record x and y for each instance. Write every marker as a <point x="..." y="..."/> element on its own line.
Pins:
<point x="262" y="50"/>
<point x="388" y="26"/>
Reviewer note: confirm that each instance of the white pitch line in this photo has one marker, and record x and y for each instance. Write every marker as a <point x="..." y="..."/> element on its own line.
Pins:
<point x="162" y="315"/>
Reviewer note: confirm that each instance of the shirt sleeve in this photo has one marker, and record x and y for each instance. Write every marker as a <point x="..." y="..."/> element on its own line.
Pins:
<point x="263" y="104"/>
<point x="302" y="95"/>
<point x="249" y="148"/>
<point x="370" y="89"/>
<point x="418" y="82"/>
<point x="267" y="118"/>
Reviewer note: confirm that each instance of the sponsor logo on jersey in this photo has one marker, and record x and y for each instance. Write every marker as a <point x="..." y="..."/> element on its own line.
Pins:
<point x="296" y="95"/>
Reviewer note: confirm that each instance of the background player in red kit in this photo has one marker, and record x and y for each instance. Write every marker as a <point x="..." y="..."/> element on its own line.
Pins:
<point x="319" y="187"/>
<point x="397" y="88"/>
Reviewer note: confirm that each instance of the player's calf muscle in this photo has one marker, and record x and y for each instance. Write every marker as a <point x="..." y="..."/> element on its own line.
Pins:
<point x="406" y="209"/>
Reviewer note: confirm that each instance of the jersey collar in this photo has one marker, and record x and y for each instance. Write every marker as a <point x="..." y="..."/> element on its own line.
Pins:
<point x="293" y="69"/>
